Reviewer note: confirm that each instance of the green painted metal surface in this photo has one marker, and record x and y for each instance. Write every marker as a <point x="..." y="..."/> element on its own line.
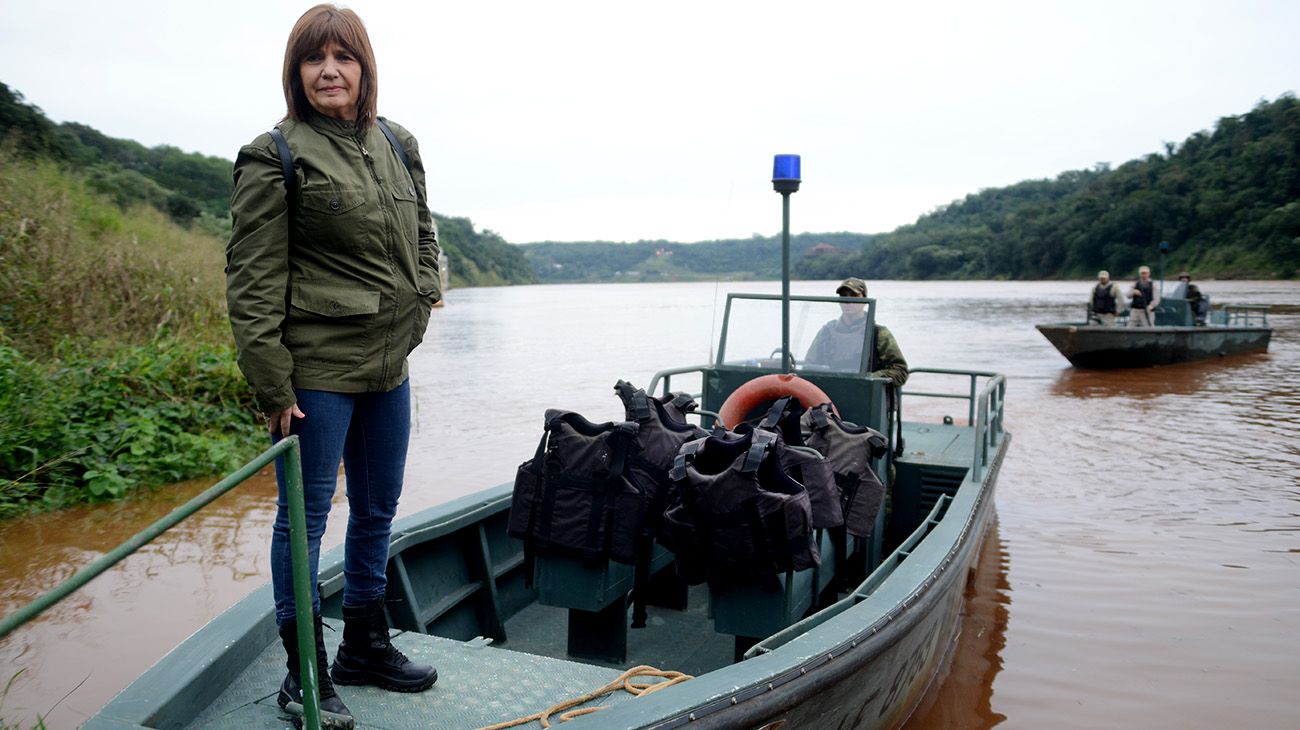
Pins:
<point x="477" y="686"/>
<point x="1098" y="347"/>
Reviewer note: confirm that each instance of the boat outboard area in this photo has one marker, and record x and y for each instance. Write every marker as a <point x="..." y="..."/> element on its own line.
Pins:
<point x="762" y="538"/>
<point x="1184" y="330"/>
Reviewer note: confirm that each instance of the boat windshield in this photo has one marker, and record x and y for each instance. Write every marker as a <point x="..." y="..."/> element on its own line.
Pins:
<point x="1174" y="290"/>
<point x="826" y="333"/>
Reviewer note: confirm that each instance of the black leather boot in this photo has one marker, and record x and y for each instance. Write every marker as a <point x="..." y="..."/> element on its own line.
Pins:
<point x="291" y="688"/>
<point x="366" y="655"/>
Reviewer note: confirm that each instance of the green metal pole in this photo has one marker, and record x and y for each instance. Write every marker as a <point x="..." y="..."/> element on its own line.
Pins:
<point x="144" y="537"/>
<point x="785" y="283"/>
<point x="308" y="680"/>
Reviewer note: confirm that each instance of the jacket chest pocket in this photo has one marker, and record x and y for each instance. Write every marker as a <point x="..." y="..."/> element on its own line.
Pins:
<point x="407" y="211"/>
<point x="329" y="327"/>
<point x="336" y="218"/>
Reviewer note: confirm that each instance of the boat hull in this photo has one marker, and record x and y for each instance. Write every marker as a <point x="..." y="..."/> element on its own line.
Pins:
<point x="1099" y="347"/>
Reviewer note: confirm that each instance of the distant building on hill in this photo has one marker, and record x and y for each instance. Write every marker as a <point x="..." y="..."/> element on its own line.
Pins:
<point x="823" y="249"/>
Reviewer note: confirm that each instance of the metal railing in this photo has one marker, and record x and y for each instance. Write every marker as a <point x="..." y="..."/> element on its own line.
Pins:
<point x="667" y="377"/>
<point x="985" y="412"/>
<point x="1246" y="315"/>
<point x="975" y="375"/>
<point x="287" y="447"/>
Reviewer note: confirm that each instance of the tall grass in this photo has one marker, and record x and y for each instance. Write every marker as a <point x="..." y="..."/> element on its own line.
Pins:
<point x="115" y="364"/>
<point x="74" y="265"/>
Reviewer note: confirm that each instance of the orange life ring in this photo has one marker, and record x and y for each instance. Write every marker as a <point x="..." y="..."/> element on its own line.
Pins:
<point x="766" y="389"/>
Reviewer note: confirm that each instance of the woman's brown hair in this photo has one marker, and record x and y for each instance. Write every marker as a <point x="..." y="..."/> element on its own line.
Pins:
<point x="323" y="24"/>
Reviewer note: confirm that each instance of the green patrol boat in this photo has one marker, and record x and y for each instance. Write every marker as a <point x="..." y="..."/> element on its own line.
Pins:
<point x="1177" y="336"/>
<point x="853" y="643"/>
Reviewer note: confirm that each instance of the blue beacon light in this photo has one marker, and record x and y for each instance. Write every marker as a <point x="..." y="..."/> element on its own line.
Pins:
<point x="785" y="173"/>
<point x="785" y="179"/>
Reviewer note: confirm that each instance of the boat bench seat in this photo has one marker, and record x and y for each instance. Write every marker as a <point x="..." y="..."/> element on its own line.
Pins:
<point x="597" y="596"/>
<point x="751" y="611"/>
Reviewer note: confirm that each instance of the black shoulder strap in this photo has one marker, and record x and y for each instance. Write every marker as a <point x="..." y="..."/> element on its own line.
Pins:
<point x="818" y="416"/>
<point x="683" y="402"/>
<point x="635" y="401"/>
<point x="392" y="140"/>
<point x="773" y="417"/>
<point x="685" y="455"/>
<point x="286" y="157"/>
<point x="286" y="163"/>
<point x="757" y="449"/>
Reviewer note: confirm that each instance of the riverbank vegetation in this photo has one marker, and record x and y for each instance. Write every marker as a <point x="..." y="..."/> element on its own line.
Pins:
<point x="115" y="364"/>
<point x="1226" y="200"/>
<point x="737" y="259"/>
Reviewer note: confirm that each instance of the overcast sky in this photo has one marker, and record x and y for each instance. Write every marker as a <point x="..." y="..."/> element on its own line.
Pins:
<point x="623" y="121"/>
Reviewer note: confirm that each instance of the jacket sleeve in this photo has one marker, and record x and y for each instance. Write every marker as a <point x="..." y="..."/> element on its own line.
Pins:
<point x="889" y="358"/>
<point x="429" y="248"/>
<point x="257" y="274"/>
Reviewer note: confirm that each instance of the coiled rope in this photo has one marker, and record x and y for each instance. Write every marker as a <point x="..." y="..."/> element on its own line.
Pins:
<point x="627" y="681"/>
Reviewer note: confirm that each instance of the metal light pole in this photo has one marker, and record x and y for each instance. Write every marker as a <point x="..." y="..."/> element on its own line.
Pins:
<point x="785" y="180"/>
<point x="1164" y="249"/>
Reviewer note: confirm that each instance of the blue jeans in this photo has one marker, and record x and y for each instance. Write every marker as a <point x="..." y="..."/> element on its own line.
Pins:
<point x="370" y="433"/>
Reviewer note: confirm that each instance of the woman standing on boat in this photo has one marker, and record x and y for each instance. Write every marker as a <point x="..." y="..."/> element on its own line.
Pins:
<point x="331" y="273"/>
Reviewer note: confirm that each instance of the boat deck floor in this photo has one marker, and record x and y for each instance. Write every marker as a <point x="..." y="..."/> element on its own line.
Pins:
<point x="481" y="684"/>
<point x="478" y="685"/>
<point x="938" y="443"/>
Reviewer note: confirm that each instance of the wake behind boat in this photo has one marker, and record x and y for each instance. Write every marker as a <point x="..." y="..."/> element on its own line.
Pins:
<point x="1176" y="337"/>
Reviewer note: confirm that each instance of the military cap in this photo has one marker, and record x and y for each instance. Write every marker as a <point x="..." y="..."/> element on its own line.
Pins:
<point x="852" y="287"/>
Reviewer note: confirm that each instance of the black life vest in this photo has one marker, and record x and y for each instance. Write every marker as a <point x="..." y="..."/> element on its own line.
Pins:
<point x="738" y="515"/>
<point x="1144" y="296"/>
<point x="577" y="495"/>
<point x="661" y="431"/>
<point x="849" y="450"/>
<point x="1102" y="301"/>
<point x="805" y="464"/>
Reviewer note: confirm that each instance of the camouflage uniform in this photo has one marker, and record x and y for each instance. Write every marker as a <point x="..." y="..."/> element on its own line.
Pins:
<point x="888" y="362"/>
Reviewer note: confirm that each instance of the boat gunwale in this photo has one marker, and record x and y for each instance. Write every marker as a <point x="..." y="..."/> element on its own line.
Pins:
<point x="1154" y="329"/>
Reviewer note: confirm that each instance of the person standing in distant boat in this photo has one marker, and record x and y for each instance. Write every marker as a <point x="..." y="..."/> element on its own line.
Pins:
<point x="330" y="278"/>
<point x="1195" y="299"/>
<point x="1105" y="304"/>
<point x="1144" y="298"/>
<point x="838" y="344"/>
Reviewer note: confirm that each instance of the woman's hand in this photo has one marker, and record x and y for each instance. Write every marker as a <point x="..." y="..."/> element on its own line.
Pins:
<point x="278" y="422"/>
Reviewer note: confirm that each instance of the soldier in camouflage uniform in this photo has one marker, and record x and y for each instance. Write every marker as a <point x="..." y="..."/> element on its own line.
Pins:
<point x="838" y="345"/>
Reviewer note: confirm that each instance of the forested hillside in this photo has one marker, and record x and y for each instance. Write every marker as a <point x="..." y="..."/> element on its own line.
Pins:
<point x="757" y="257"/>
<point x="194" y="190"/>
<point x="1227" y="201"/>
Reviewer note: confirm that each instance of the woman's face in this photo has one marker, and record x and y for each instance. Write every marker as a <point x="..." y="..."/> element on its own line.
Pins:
<point x="331" y="79"/>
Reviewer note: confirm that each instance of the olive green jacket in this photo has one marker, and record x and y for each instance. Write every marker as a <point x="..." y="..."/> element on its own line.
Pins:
<point x="889" y="362"/>
<point x="332" y="292"/>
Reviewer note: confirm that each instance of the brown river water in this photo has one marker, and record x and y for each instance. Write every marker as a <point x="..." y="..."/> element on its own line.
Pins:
<point x="1144" y="570"/>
